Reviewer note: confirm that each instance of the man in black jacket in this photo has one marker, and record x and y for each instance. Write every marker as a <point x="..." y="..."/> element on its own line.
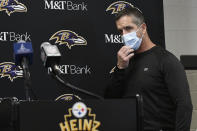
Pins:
<point x="156" y="74"/>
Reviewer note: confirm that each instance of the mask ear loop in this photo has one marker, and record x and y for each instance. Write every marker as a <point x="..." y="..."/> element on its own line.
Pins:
<point x="139" y="29"/>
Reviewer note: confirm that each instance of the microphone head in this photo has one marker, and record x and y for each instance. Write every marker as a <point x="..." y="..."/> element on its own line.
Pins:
<point x="50" y="54"/>
<point x="44" y="44"/>
<point x="23" y="49"/>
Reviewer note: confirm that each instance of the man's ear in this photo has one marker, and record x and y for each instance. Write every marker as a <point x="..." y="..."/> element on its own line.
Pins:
<point x="144" y="28"/>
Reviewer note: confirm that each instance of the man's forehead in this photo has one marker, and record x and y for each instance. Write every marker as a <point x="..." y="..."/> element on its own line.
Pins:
<point x="125" y="21"/>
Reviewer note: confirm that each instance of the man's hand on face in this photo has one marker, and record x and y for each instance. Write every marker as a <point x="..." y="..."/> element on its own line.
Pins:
<point x="124" y="55"/>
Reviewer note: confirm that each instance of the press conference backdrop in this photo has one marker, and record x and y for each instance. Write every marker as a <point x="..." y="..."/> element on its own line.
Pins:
<point x="86" y="60"/>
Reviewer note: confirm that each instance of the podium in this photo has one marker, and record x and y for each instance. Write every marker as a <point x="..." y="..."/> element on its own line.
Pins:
<point x="87" y="115"/>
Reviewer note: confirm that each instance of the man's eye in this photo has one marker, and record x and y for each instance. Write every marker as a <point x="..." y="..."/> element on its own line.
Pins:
<point x="120" y="31"/>
<point x="128" y="28"/>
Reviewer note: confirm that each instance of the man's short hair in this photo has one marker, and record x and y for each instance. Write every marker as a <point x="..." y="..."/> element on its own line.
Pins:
<point x="138" y="17"/>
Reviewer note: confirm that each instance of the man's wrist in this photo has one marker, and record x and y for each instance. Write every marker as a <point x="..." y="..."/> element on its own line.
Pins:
<point x="120" y="67"/>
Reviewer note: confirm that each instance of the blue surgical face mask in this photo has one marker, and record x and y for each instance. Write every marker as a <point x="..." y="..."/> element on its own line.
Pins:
<point x="132" y="40"/>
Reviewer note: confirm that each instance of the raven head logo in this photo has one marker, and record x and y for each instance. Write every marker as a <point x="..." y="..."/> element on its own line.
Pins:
<point x="11" y="6"/>
<point x="10" y="70"/>
<point x="118" y="6"/>
<point x="69" y="38"/>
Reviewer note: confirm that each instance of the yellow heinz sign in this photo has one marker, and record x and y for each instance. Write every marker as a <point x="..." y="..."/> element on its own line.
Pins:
<point x="79" y="118"/>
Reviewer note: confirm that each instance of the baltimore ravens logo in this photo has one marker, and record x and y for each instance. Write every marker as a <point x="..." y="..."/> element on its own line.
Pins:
<point x="68" y="97"/>
<point x="118" y="6"/>
<point x="10" y="70"/>
<point x="11" y="6"/>
<point x="68" y="38"/>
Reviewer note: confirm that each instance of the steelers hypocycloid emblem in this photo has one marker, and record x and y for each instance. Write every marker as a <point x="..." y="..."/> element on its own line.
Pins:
<point x="68" y="38"/>
<point x="118" y="6"/>
<point x="79" y="110"/>
<point x="11" y="6"/>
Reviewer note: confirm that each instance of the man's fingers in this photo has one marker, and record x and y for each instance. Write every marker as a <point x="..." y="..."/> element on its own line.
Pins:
<point x="129" y="56"/>
<point x="124" y="55"/>
<point x="129" y="51"/>
<point x="124" y="51"/>
<point x="125" y="48"/>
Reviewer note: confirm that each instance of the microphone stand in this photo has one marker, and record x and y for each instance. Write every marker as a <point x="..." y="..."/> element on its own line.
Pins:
<point x="57" y="77"/>
<point x="27" y="80"/>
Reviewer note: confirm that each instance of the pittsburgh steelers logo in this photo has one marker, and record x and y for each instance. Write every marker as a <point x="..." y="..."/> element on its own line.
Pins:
<point x="79" y="110"/>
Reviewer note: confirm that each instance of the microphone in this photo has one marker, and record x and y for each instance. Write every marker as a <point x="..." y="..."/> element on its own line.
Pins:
<point x="23" y="53"/>
<point x="50" y="56"/>
<point x="23" y="56"/>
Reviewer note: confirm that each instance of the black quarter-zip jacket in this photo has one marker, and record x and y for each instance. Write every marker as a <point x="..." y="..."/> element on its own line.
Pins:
<point x="160" y="78"/>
